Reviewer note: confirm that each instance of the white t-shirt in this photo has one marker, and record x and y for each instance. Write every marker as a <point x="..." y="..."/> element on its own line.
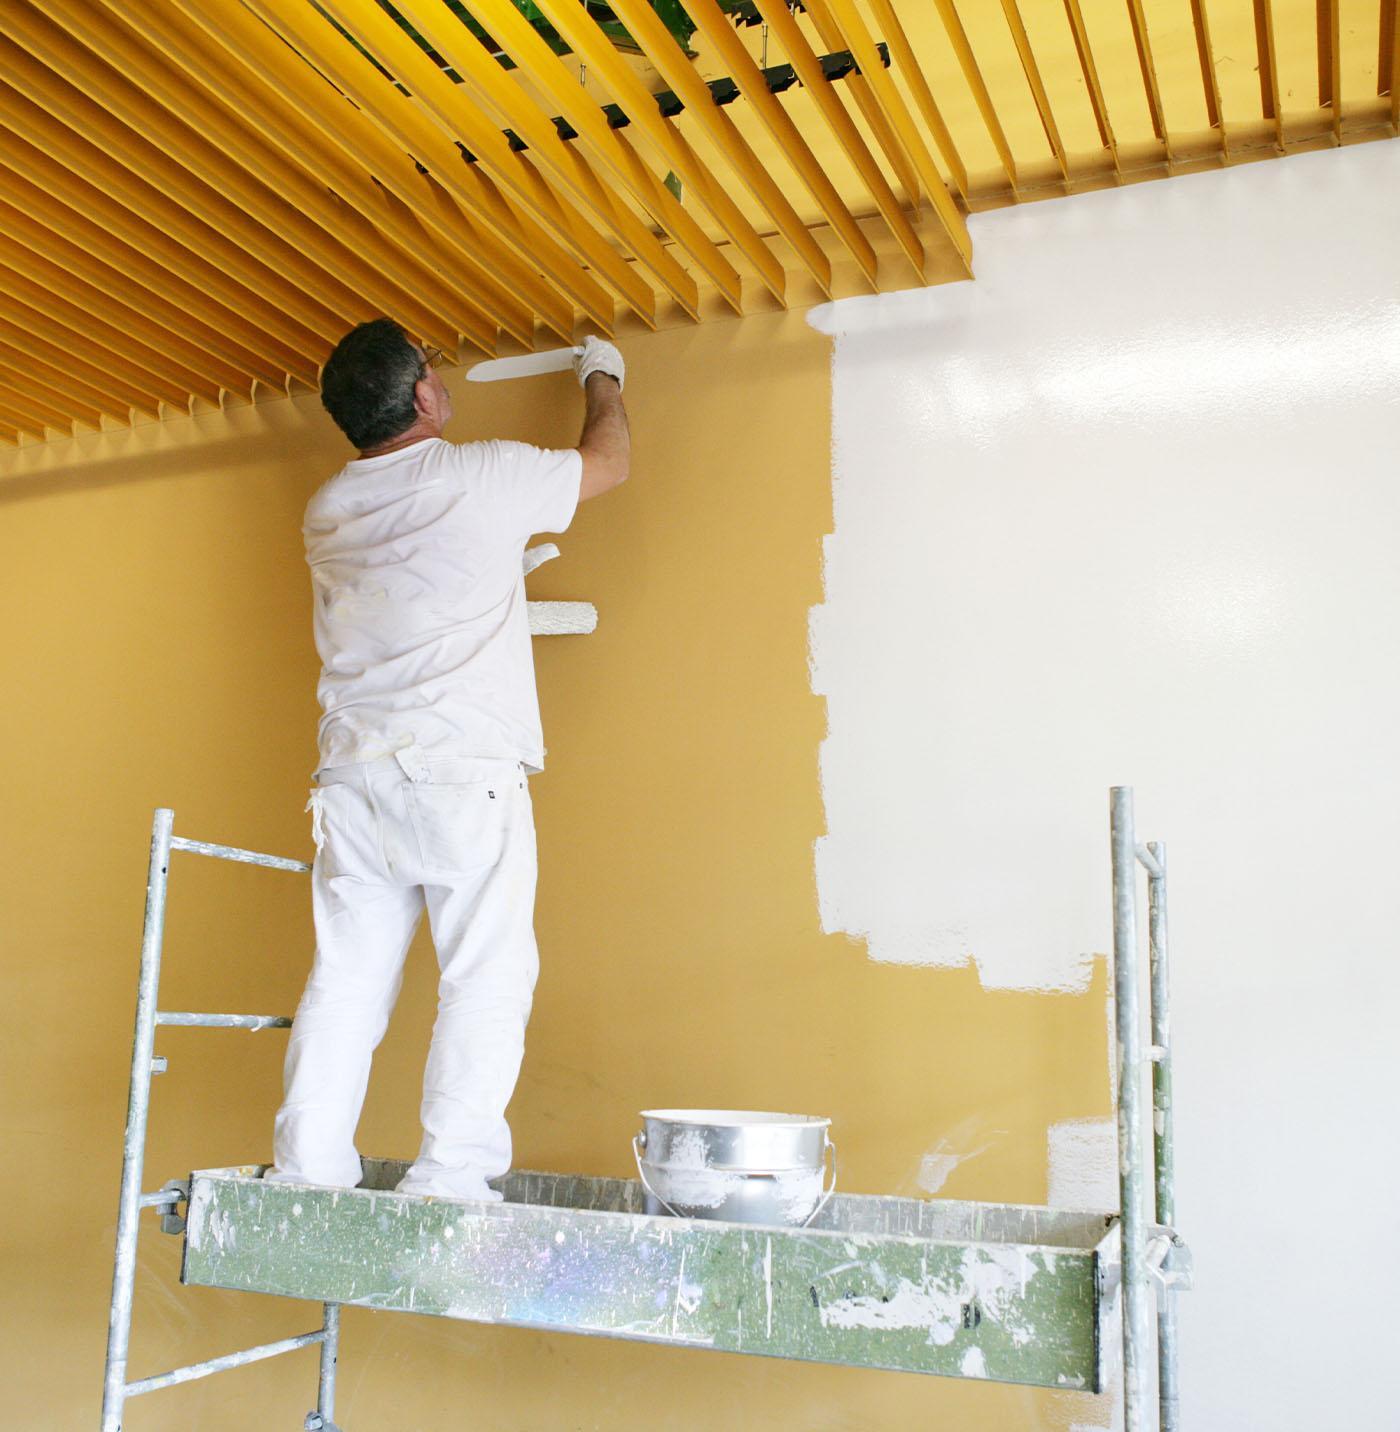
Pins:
<point x="420" y="615"/>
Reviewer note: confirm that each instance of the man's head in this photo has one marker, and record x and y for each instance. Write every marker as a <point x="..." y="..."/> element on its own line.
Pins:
<point x="379" y="386"/>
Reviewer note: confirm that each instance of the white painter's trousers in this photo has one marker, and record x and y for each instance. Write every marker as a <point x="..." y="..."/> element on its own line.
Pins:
<point x="457" y="837"/>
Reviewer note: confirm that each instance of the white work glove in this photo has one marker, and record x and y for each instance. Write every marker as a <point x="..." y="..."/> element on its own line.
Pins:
<point x="596" y="356"/>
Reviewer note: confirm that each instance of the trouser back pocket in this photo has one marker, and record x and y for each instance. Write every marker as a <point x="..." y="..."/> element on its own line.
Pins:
<point x="460" y="827"/>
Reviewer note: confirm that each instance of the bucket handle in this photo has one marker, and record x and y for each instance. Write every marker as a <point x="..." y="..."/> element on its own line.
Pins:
<point x="638" y="1140"/>
<point x="826" y="1194"/>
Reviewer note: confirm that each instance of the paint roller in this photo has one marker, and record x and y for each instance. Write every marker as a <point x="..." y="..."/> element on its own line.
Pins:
<point x="598" y="356"/>
<point x="525" y="365"/>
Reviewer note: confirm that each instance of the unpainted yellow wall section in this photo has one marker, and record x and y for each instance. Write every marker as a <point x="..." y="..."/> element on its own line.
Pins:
<point x="159" y="652"/>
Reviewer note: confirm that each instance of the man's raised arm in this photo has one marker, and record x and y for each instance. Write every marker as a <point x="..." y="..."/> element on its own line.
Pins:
<point x="606" y="443"/>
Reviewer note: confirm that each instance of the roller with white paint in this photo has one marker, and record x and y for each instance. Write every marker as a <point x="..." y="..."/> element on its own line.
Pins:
<point x="593" y="355"/>
<point x="524" y="365"/>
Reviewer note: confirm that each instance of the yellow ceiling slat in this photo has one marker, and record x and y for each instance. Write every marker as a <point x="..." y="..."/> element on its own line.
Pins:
<point x="90" y="323"/>
<point x="1031" y="70"/>
<point x="972" y="74"/>
<point x="684" y="229"/>
<point x="510" y="252"/>
<point x="609" y="147"/>
<point x="1326" y="11"/>
<point x="567" y="219"/>
<point x="13" y="415"/>
<point x="76" y="330"/>
<point x="464" y="52"/>
<point x="317" y="127"/>
<point x="460" y="48"/>
<point x="132" y="170"/>
<point x="1329" y="62"/>
<point x="646" y="246"/>
<point x="456" y="111"/>
<point x="365" y="259"/>
<point x="41" y="420"/>
<point x="132" y="388"/>
<point x="72" y="373"/>
<point x="80" y="174"/>
<point x="280" y="234"/>
<point x="197" y="196"/>
<point x="1200" y="22"/>
<point x="482" y="215"/>
<point x="1149" y="73"/>
<point x="468" y="125"/>
<point x="1090" y="72"/>
<point x="683" y="78"/>
<point x="1392" y="66"/>
<point x="43" y="226"/>
<point x="446" y="236"/>
<point x="751" y="244"/>
<point x="1388" y="55"/>
<point x="77" y="293"/>
<point x="908" y="65"/>
<point x="73" y="381"/>
<point x="809" y="71"/>
<point x="1268" y="68"/>
<point x="848" y="20"/>
<point x="40" y="161"/>
<point x="28" y="427"/>
<point x="590" y="44"/>
<point x="744" y="70"/>
<point x="22" y="427"/>
<point x="40" y="399"/>
<point x="356" y="76"/>
<point x="887" y="140"/>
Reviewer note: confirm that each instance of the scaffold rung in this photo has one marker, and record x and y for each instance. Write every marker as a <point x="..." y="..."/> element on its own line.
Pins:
<point x="222" y="1364"/>
<point x="232" y="852"/>
<point x="183" y="1018"/>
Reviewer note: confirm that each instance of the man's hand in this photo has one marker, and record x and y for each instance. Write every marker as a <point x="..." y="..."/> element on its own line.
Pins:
<point x="596" y="356"/>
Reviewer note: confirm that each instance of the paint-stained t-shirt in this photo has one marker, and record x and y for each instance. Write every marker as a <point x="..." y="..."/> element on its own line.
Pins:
<point x="420" y="615"/>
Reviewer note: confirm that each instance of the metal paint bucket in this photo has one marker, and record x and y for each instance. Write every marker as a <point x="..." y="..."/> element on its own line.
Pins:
<point x="735" y="1165"/>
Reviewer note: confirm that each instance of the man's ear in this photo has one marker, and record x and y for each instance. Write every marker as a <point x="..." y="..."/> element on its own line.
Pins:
<point x="422" y="398"/>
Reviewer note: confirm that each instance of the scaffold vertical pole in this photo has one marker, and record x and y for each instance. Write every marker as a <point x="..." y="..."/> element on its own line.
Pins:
<point x="1164" y="1156"/>
<point x="330" y="1351"/>
<point x="1136" y="1292"/>
<point x="134" y="1143"/>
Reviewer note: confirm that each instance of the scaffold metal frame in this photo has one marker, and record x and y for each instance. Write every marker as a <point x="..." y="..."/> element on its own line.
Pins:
<point x="1132" y="1254"/>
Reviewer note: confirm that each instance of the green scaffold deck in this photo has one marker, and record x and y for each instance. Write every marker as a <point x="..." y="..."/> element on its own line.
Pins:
<point x="995" y="1291"/>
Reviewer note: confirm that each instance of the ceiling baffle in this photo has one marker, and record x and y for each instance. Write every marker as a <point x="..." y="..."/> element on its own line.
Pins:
<point x="197" y="197"/>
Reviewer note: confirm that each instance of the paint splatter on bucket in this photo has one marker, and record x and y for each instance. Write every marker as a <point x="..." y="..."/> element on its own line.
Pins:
<point x="735" y="1165"/>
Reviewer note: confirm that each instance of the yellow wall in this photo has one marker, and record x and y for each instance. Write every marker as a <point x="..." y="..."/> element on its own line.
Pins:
<point x="158" y="651"/>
